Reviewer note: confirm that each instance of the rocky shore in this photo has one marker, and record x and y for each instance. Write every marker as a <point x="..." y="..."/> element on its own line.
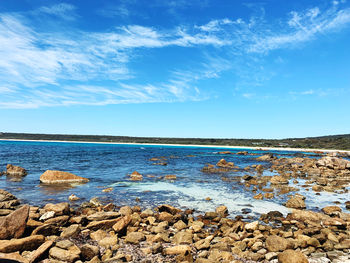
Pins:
<point x="99" y="232"/>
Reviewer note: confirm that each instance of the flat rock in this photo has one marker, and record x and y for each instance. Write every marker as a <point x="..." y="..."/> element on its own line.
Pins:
<point x="103" y="224"/>
<point x="59" y="209"/>
<point x="41" y="251"/>
<point x="28" y="243"/>
<point x="177" y="250"/>
<point x="64" y="255"/>
<point x="59" y="177"/>
<point x="291" y="256"/>
<point x="14" y="224"/>
<point x="134" y="237"/>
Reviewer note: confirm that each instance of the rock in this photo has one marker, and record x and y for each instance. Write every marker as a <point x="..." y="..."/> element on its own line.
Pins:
<point x="71" y="231"/>
<point x="63" y="255"/>
<point x="252" y="226"/>
<point x="222" y="211"/>
<point x="275" y="243"/>
<point x="41" y="251"/>
<point x="331" y="210"/>
<point x="169" y="209"/>
<point x="73" y="198"/>
<point x="59" y="177"/>
<point x="136" y="176"/>
<point x="125" y="210"/>
<point x="291" y="256"/>
<point x="183" y="237"/>
<point x="277" y="179"/>
<point x="170" y="177"/>
<point x="224" y="164"/>
<point x="108" y="241"/>
<point x="46" y="230"/>
<point x="179" y="225"/>
<point x="14" y="224"/>
<point x="88" y="252"/>
<point x="27" y="243"/>
<point x="64" y="244"/>
<point x="333" y="163"/>
<point x="7" y="200"/>
<point x="296" y="202"/>
<point x="107" y="190"/>
<point x="258" y="196"/>
<point x="103" y="225"/>
<point x="59" y="209"/>
<point x="12" y="258"/>
<point x="13" y="170"/>
<point x="122" y="223"/>
<point x="177" y="250"/>
<point x="304" y="215"/>
<point x="134" y="237"/>
<point x="98" y="216"/>
<point x="266" y="157"/>
<point x="47" y="215"/>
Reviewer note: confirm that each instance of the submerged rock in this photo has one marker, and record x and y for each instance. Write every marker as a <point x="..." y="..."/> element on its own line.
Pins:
<point x="13" y="170"/>
<point x="59" y="177"/>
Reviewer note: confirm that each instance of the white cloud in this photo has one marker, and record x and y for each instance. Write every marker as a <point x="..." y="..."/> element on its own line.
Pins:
<point x="62" y="10"/>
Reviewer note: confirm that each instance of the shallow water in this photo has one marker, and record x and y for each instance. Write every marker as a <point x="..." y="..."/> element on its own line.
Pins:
<point x="107" y="165"/>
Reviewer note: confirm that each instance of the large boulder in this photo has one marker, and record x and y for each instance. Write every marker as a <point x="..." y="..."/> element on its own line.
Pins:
<point x="291" y="256"/>
<point x="13" y="225"/>
<point x="59" y="177"/>
<point x="13" y="170"/>
<point x="28" y="243"/>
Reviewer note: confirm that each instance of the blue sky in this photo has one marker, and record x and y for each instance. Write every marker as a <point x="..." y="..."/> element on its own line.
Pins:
<point x="225" y="69"/>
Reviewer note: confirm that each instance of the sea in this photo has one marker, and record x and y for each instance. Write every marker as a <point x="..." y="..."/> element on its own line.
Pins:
<point x="108" y="165"/>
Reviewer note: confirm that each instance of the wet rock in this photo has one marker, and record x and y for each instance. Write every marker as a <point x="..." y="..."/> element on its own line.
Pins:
<point x="73" y="198"/>
<point x="26" y="243"/>
<point x="296" y="202"/>
<point x="291" y="256"/>
<point x="275" y="243"/>
<point x="170" y="177"/>
<point x="224" y="164"/>
<point x="59" y="177"/>
<point x="12" y="170"/>
<point x="222" y="211"/>
<point x="136" y="176"/>
<point x="13" y="225"/>
<point x="63" y="255"/>
<point x="266" y="158"/>
<point x="59" y="209"/>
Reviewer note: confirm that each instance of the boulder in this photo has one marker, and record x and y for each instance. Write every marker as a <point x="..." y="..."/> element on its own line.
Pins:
<point x="59" y="177"/>
<point x="59" y="209"/>
<point x="296" y="202"/>
<point x="88" y="252"/>
<point x="103" y="224"/>
<point x="275" y="243"/>
<point x="291" y="256"/>
<point x="331" y="210"/>
<point x="223" y="163"/>
<point x="136" y="176"/>
<point x="28" y="243"/>
<point x="12" y="170"/>
<point x="13" y="225"/>
<point x="63" y="255"/>
<point x="7" y="200"/>
<point x="222" y="211"/>
<point x="266" y="158"/>
<point x="183" y="237"/>
<point x="71" y="231"/>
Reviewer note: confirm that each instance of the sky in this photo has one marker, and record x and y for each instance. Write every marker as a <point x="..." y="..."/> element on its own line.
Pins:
<point x="176" y="68"/>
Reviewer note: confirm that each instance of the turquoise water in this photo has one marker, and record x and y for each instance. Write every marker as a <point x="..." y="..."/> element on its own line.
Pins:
<point x="107" y="165"/>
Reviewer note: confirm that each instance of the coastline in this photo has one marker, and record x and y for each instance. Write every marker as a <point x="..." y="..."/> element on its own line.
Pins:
<point x="193" y="145"/>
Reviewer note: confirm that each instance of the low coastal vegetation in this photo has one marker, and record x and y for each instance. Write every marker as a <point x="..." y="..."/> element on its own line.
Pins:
<point x="338" y="142"/>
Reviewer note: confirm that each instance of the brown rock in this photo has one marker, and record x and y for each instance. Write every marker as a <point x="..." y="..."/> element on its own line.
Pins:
<point x="183" y="237"/>
<point x="122" y="223"/>
<point x="136" y="176"/>
<point x="277" y="179"/>
<point x="275" y="243"/>
<point x="266" y="158"/>
<point x="222" y="211"/>
<point x="296" y="202"/>
<point x="134" y="237"/>
<point x="177" y="250"/>
<point x="13" y="170"/>
<point x="13" y="256"/>
<point x="331" y="210"/>
<point x="224" y="164"/>
<point x="73" y="198"/>
<point x="71" y="231"/>
<point x="63" y="255"/>
<point x="170" y="177"/>
<point x="98" y="216"/>
<point x="291" y="256"/>
<point x="103" y="225"/>
<point x="59" y="209"/>
<point x="333" y="163"/>
<point x="7" y="200"/>
<point x="88" y="252"/>
<point x="59" y="177"/>
<point x="13" y="225"/>
<point x="46" y="230"/>
<point x="41" y="251"/>
<point x="27" y="243"/>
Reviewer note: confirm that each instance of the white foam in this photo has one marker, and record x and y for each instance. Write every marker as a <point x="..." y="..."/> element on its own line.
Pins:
<point x="193" y="196"/>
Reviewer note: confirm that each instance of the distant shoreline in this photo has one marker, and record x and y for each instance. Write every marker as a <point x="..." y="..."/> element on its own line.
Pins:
<point x="192" y="145"/>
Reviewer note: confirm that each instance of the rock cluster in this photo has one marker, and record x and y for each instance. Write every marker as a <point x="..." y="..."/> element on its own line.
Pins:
<point x="100" y="233"/>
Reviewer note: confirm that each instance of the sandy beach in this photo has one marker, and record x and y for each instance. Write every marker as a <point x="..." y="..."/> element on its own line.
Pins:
<point x="195" y="145"/>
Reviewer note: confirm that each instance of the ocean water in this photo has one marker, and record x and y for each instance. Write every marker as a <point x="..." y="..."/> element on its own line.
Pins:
<point x="107" y="165"/>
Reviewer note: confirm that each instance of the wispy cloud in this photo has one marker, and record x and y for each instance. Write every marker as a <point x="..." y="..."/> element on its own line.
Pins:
<point x="35" y="65"/>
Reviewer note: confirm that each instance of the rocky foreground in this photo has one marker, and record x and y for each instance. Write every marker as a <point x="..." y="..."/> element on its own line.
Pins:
<point x="104" y="233"/>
